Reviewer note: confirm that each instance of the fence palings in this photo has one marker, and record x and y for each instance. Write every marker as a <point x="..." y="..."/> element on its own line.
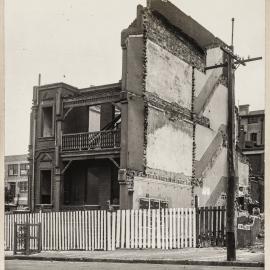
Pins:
<point x="105" y="230"/>
<point x="210" y="226"/>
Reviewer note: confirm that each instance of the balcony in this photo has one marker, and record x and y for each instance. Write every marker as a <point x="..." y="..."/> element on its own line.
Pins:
<point x="91" y="141"/>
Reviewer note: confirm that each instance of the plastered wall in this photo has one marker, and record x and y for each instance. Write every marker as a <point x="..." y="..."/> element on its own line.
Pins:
<point x="211" y="101"/>
<point x="133" y="83"/>
<point x="168" y="76"/>
<point x="169" y="143"/>
<point x="214" y="181"/>
<point x="176" y="195"/>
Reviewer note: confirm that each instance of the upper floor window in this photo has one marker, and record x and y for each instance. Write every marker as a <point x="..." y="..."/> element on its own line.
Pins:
<point x="47" y="121"/>
<point x="253" y="120"/>
<point x="253" y="137"/>
<point x="23" y="169"/>
<point x="12" y="169"/>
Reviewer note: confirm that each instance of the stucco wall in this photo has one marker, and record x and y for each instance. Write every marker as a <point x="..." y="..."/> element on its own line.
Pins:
<point x="176" y="195"/>
<point x="134" y="64"/>
<point x="169" y="143"/>
<point x="211" y="101"/>
<point x="216" y="110"/>
<point x="204" y="137"/>
<point x="168" y="76"/>
<point x="133" y="76"/>
<point x="135" y="134"/>
<point x="214" y="182"/>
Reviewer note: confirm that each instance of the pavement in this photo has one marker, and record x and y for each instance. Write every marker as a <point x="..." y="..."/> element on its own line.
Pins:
<point x="211" y="256"/>
<point x="46" y="265"/>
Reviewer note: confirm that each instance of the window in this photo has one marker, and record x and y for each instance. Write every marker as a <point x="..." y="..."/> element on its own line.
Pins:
<point x="45" y="187"/>
<point x="47" y="122"/>
<point x="252" y="120"/>
<point x="10" y="192"/>
<point x="24" y="169"/>
<point x="253" y="137"/>
<point x="23" y="186"/>
<point x="12" y="169"/>
<point x="147" y="203"/>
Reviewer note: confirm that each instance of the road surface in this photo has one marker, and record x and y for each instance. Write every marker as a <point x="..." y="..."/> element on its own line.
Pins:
<point x="44" y="265"/>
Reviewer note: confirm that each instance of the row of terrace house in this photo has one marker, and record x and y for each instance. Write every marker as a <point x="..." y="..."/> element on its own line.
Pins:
<point x="16" y="180"/>
<point x="154" y="139"/>
<point x="251" y="142"/>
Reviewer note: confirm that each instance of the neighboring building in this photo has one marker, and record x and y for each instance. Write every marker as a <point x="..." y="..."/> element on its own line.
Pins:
<point x="16" y="179"/>
<point x="155" y="139"/>
<point x="251" y="142"/>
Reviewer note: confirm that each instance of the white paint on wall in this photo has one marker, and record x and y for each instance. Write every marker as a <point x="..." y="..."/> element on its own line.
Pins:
<point x="168" y="76"/>
<point x="214" y="56"/>
<point x="206" y="191"/>
<point x="216" y="109"/>
<point x="169" y="148"/>
<point x="204" y="137"/>
<point x="211" y="181"/>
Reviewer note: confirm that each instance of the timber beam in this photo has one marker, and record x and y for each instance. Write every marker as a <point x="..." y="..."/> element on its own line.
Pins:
<point x="114" y="162"/>
<point x="94" y="98"/>
<point x="66" y="167"/>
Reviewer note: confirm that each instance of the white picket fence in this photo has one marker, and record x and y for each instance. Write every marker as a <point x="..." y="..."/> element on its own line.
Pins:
<point x="103" y="230"/>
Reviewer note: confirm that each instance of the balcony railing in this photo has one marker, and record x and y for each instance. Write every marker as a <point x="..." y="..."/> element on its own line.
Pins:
<point x="107" y="139"/>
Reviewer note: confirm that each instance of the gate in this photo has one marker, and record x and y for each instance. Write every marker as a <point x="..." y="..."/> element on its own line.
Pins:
<point x="210" y="226"/>
<point x="27" y="238"/>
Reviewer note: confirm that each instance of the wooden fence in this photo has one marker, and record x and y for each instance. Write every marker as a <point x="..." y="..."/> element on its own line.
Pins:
<point x="210" y="226"/>
<point x="103" y="230"/>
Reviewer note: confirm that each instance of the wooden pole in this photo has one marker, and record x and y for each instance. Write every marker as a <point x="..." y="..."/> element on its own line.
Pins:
<point x="230" y="228"/>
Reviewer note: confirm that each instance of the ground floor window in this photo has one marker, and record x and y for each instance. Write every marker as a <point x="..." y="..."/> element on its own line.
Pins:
<point x="45" y="186"/>
<point x="149" y="203"/>
<point x="10" y="192"/>
<point x="23" y="186"/>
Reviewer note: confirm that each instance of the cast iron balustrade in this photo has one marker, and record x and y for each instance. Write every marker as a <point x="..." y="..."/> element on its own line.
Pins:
<point x="85" y="141"/>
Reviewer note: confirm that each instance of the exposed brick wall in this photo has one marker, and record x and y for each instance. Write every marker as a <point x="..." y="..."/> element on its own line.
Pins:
<point x="173" y="40"/>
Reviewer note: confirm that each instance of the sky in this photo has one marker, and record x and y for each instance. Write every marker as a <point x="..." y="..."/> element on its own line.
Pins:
<point x="78" y="42"/>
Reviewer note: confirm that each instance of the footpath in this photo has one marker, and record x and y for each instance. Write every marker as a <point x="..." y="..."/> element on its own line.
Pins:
<point x="251" y="257"/>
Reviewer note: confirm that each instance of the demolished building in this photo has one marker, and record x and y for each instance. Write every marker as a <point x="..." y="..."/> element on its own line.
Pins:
<point x="155" y="139"/>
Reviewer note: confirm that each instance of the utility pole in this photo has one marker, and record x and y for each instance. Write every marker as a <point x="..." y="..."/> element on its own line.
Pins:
<point x="231" y="185"/>
<point x="232" y="63"/>
<point x="39" y="79"/>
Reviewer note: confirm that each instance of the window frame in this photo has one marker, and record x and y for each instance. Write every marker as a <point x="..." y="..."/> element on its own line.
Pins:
<point x="253" y="120"/>
<point x="42" y="107"/>
<point x="153" y="200"/>
<point x="26" y="169"/>
<point x="13" y="165"/>
<point x="251" y="137"/>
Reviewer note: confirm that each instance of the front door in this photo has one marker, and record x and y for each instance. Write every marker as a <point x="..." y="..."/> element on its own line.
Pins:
<point x="92" y="186"/>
